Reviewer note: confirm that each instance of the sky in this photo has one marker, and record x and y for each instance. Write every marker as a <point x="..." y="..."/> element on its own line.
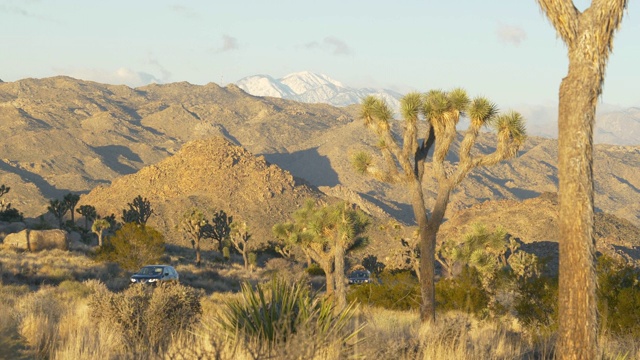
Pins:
<point x="505" y="50"/>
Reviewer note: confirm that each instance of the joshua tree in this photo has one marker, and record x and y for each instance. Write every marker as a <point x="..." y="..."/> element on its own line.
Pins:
<point x="344" y="225"/>
<point x="89" y="213"/>
<point x="195" y="225"/>
<point x="405" y="159"/>
<point x="326" y="234"/>
<point x="240" y="237"/>
<point x="220" y="227"/>
<point x="59" y="210"/>
<point x="297" y="233"/>
<point x="589" y="39"/>
<point x="98" y="227"/>
<point x="139" y="211"/>
<point x="71" y="200"/>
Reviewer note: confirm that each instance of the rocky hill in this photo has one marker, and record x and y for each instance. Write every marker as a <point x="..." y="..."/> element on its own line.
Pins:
<point x="209" y="174"/>
<point x="61" y="134"/>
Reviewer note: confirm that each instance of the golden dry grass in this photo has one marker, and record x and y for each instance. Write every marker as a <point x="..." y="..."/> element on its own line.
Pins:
<point x="53" y="322"/>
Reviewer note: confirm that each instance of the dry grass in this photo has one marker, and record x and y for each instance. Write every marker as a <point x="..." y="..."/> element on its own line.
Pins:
<point x="54" y="321"/>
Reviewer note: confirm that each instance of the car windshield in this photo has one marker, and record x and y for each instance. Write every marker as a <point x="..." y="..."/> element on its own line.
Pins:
<point x="359" y="275"/>
<point x="150" y="270"/>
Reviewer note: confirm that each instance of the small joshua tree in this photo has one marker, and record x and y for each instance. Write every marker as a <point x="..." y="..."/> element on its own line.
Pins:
<point x="71" y="200"/>
<point x="326" y="233"/>
<point x="240" y="237"/>
<point x="59" y="210"/>
<point x="98" y="227"/>
<point x="220" y="227"/>
<point x="139" y="211"/>
<point x="89" y="213"/>
<point x="197" y="227"/>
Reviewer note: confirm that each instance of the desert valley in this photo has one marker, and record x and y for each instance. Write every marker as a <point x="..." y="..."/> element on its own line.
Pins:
<point x="259" y="159"/>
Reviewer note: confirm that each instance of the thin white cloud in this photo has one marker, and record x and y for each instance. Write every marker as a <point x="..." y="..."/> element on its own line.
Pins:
<point x="229" y="43"/>
<point x="330" y="44"/>
<point x="338" y="46"/>
<point x="121" y="76"/>
<point x="184" y="11"/>
<point x="166" y="74"/>
<point x="511" y="34"/>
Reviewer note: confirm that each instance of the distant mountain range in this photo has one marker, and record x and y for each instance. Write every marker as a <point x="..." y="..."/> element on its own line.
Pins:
<point x="309" y="87"/>
<point x="614" y="125"/>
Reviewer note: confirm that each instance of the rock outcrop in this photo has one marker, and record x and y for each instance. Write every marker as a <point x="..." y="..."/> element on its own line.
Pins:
<point x="38" y="240"/>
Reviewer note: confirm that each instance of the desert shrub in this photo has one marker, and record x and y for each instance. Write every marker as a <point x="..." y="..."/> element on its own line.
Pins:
<point x="273" y="312"/>
<point x="286" y="270"/>
<point x="396" y="291"/>
<point x="133" y="246"/>
<point x="464" y="292"/>
<point x="11" y="214"/>
<point x="618" y="296"/>
<point x="536" y="302"/>
<point x="371" y="263"/>
<point x="315" y="270"/>
<point x="38" y="314"/>
<point x="147" y="317"/>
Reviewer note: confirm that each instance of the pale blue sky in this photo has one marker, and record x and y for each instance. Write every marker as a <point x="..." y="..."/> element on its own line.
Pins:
<point x="503" y="49"/>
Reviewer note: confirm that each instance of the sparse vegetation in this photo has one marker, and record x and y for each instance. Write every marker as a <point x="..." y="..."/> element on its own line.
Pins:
<point x="133" y="246"/>
<point x="405" y="160"/>
<point x="139" y="211"/>
<point x="7" y="213"/>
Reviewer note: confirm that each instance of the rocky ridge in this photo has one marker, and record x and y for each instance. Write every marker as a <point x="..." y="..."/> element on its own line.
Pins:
<point x="211" y="175"/>
<point x="61" y="134"/>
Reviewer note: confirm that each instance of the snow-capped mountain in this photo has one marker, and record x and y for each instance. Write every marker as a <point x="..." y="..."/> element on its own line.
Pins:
<point x="309" y="87"/>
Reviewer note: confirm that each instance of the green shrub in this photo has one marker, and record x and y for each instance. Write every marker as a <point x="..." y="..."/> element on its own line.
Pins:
<point x="315" y="270"/>
<point x="536" y="302"/>
<point x="463" y="293"/>
<point x="618" y="296"/>
<point x="399" y="291"/>
<point x="133" y="246"/>
<point x="371" y="263"/>
<point x="147" y="317"/>
<point x="11" y="215"/>
<point x="273" y="312"/>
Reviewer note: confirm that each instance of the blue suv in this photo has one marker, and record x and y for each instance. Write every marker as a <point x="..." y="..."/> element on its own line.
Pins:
<point x="154" y="274"/>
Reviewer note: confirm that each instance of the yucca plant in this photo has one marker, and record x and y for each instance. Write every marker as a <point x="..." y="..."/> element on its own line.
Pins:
<point x="271" y="313"/>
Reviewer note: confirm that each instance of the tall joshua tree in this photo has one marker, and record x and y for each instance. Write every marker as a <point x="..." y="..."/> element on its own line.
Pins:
<point x="589" y="39"/>
<point x="405" y="158"/>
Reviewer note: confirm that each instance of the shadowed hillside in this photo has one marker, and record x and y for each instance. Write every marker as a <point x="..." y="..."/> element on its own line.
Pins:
<point x="61" y="134"/>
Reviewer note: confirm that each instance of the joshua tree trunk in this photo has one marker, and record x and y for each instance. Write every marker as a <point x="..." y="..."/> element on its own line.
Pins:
<point x="577" y="300"/>
<point x="100" y="238"/>
<point x="198" y="258"/>
<point x="245" y="258"/>
<point x="330" y="281"/>
<point x="341" y="290"/>
<point x="589" y="38"/>
<point x="428" y="235"/>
